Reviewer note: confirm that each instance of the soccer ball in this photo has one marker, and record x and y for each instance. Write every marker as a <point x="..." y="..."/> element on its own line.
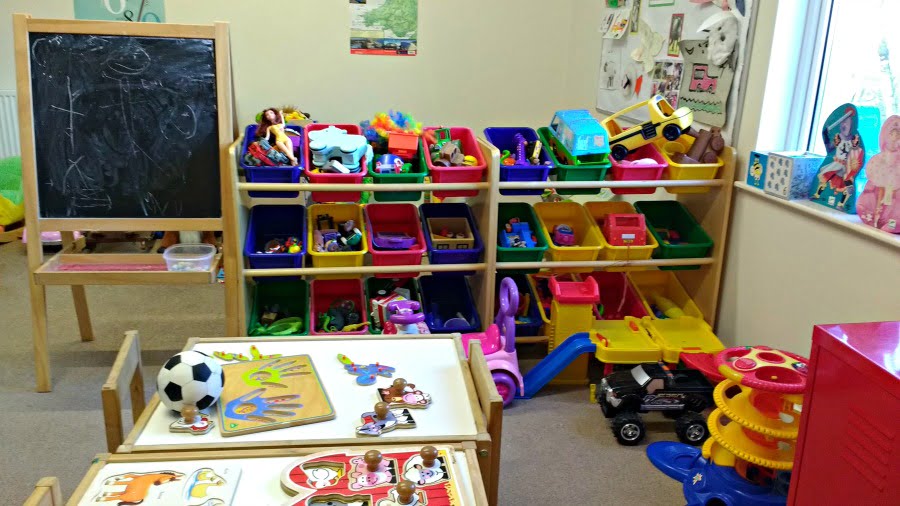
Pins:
<point x="190" y="378"/>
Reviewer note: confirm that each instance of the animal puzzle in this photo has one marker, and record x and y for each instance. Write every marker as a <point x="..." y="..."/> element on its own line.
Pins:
<point x="272" y="394"/>
<point x="402" y="477"/>
<point x="366" y="374"/>
<point x="404" y="395"/>
<point x="180" y="484"/>
<point x="382" y="419"/>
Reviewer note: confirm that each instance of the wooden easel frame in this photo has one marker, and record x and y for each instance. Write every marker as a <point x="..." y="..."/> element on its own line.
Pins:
<point x="41" y="272"/>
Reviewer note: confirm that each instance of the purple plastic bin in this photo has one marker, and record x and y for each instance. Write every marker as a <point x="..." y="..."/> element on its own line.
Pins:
<point x="638" y="172"/>
<point x="454" y="256"/>
<point x="504" y="139"/>
<point x="269" y="222"/>
<point x="276" y="174"/>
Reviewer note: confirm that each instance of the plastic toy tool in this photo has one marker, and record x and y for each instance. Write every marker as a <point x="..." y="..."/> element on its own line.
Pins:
<point x="366" y="374"/>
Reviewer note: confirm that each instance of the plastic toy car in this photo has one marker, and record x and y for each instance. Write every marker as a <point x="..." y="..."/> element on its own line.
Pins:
<point x="517" y="235"/>
<point x="682" y="394"/>
<point x="563" y="235"/>
<point x="579" y="132"/>
<point x="664" y="120"/>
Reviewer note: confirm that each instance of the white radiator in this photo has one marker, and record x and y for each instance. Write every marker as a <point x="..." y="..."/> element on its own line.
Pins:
<point x="9" y="124"/>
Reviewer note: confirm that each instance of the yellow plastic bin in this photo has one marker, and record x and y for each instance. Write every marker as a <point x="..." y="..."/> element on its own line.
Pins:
<point x="624" y="342"/>
<point x="676" y="171"/>
<point x="339" y="213"/>
<point x="682" y="335"/>
<point x="598" y="211"/>
<point x="588" y="241"/>
<point x="655" y="287"/>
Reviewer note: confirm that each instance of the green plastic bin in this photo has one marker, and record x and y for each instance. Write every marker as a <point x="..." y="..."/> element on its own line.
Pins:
<point x="292" y="296"/>
<point x="672" y="215"/>
<point x="417" y="174"/>
<point x="525" y="213"/>
<point x="373" y="285"/>
<point x="592" y="168"/>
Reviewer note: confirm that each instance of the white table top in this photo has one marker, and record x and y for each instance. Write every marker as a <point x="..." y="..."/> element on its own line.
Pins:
<point x="433" y="365"/>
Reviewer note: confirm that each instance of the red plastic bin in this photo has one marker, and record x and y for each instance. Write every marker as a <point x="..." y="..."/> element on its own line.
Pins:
<point x="398" y="218"/>
<point x="323" y="292"/>
<point x="617" y="295"/>
<point x="639" y="172"/>
<point x="319" y="178"/>
<point x="472" y="174"/>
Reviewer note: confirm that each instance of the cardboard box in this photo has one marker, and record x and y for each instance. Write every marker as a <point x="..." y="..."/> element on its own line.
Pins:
<point x="789" y="174"/>
<point x="757" y="168"/>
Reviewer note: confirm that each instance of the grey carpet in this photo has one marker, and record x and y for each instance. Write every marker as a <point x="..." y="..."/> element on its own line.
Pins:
<point x="557" y="448"/>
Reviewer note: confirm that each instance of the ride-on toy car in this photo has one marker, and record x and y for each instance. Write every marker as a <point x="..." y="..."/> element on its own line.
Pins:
<point x="498" y="343"/>
<point x="682" y="394"/>
<point x="664" y="120"/>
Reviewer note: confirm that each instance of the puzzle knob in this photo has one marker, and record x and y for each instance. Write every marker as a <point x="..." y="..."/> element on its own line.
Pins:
<point x="189" y="413"/>
<point x="429" y="454"/>
<point x="373" y="460"/>
<point x="381" y="410"/>
<point x="398" y="386"/>
<point x="405" y="492"/>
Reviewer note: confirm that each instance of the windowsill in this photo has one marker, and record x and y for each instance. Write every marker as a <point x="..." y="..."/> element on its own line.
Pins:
<point x="849" y="222"/>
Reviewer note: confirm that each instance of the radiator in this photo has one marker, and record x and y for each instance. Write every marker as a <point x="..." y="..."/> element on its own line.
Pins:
<point x="9" y="125"/>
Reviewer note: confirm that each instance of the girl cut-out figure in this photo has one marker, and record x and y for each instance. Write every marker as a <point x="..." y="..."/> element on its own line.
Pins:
<point x="271" y="124"/>
<point x="878" y="206"/>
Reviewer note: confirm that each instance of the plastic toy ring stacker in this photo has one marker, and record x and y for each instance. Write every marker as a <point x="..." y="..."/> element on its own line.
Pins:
<point x="763" y="368"/>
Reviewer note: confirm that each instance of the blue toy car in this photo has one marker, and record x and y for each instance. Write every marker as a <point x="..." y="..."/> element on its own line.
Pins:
<point x="517" y="234"/>
<point x="580" y="133"/>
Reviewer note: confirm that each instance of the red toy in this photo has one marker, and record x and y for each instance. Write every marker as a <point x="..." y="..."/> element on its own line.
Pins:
<point x="625" y="230"/>
<point x="403" y="144"/>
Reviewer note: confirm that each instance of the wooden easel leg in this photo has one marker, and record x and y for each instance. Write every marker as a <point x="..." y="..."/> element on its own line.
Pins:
<point x="79" y="297"/>
<point x="39" y="336"/>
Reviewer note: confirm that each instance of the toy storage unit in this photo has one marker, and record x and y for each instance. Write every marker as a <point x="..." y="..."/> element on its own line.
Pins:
<point x="339" y="213"/>
<point x="274" y="174"/>
<point x="598" y="212"/>
<point x="646" y="172"/>
<point x="394" y="219"/>
<point x="525" y="214"/>
<point x="504" y="138"/>
<point x="325" y="292"/>
<point x="676" y="171"/>
<point x="473" y="174"/>
<point x="416" y="175"/>
<point x="326" y="178"/>
<point x="590" y="168"/>
<point x="448" y="304"/>
<point x="292" y="297"/>
<point x="671" y="215"/>
<point x="384" y="287"/>
<point x="268" y="222"/>
<point x="588" y="241"/>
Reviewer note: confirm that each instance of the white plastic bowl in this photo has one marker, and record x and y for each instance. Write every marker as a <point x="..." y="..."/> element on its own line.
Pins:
<point x="189" y="257"/>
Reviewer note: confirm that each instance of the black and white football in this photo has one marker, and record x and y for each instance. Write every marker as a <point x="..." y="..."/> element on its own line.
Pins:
<point x="190" y="378"/>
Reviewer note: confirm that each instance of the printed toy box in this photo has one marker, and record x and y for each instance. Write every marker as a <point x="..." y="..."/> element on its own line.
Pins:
<point x="788" y="174"/>
<point x="756" y="169"/>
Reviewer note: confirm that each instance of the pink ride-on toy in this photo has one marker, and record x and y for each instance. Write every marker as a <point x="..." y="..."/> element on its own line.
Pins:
<point x="499" y="344"/>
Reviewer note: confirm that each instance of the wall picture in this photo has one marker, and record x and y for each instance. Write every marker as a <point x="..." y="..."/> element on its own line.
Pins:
<point x="675" y="29"/>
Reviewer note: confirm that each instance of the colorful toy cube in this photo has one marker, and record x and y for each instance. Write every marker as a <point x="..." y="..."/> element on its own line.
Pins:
<point x="756" y="169"/>
<point x="789" y="174"/>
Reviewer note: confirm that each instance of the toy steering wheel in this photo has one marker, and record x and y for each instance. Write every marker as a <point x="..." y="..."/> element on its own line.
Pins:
<point x="764" y="368"/>
<point x="509" y="298"/>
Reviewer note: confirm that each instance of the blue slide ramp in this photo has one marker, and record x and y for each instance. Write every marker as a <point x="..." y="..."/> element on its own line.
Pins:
<point x="553" y="364"/>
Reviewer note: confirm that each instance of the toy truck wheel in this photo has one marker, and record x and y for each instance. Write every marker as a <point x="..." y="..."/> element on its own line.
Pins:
<point x="628" y="429"/>
<point x="691" y="429"/>
<point x="506" y="386"/>
<point x="619" y="152"/>
<point x="671" y="132"/>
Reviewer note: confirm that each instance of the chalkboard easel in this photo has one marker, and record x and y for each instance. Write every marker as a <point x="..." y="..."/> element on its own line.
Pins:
<point x="124" y="127"/>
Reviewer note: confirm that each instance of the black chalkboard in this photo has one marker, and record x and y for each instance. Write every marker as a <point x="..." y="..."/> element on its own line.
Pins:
<point x="125" y="127"/>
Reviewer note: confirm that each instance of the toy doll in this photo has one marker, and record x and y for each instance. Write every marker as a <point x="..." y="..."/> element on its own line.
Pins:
<point x="877" y="206"/>
<point x="271" y="124"/>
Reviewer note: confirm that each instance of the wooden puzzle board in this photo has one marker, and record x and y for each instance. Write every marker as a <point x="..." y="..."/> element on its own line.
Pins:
<point x="433" y="364"/>
<point x="259" y="384"/>
<point x="260" y="480"/>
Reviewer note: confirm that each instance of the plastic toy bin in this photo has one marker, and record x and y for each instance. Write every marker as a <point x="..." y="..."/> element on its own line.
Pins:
<point x="618" y="297"/>
<point x="653" y="284"/>
<point x="567" y="170"/>
<point x="648" y="172"/>
<point x="269" y="222"/>
<point x="340" y="213"/>
<point x="531" y="325"/>
<point x="438" y="253"/>
<point x="376" y="285"/>
<point x="394" y="218"/>
<point x="677" y="171"/>
<point x="671" y="215"/>
<point x="503" y="138"/>
<point x="682" y="335"/>
<point x="321" y="178"/>
<point x="587" y="237"/>
<point x="463" y="174"/>
<point x="274" y="174"/>
<point x="326" y="291"/>
<point x="416" y="175"/>
<point x="525" y="213"/>
<point x="448" y="304"/>
<point x="598" y="212"/>
<point x="291" y="296"/>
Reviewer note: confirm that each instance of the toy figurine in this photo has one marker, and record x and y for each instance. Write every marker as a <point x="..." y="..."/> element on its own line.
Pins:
<point x="406" y="318"/>
<point x="879" y="204"/>
<point x="271" y="125"/>
<point x="563" y="235"/>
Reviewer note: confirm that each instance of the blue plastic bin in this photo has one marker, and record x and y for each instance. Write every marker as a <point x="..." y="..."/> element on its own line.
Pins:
<point x="269" y="174"/>
<point x="269" y="222"/>
<point x="504" y="139"/>
<point x="533" y="327"/>
<point x="445" y="298"/>
<point x="451" y="256"/>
